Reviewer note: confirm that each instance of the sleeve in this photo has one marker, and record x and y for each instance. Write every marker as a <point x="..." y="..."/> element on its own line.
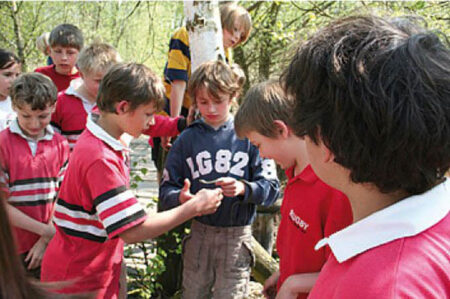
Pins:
<point x="166" y="126"/>
<point x="115" y="205"/>
<point x="4" y="174"/>
<point x="264" y="187"/>
<point x="173" y="177"/>
<point x="179" y="58"/>
<point x="64" y="160"/>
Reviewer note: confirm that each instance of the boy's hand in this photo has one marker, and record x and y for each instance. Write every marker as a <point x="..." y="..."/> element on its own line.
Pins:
<point x="270" y="285"/>
<point x="34" y="256"/>
<point x="231" y="187"/>
<point x="185" y="193"/>
<point x="286" y="290"/>
<point x="207" y="201"/>
<point x="165" y="142"/>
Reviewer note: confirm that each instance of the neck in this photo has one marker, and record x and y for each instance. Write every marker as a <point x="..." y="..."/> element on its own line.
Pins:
<point x="85" y="94"/>
<point x="3" y="98"/>
<point x="366" y="199"/>
<point x="107" y="122"/>
<point x="300" y="165"/>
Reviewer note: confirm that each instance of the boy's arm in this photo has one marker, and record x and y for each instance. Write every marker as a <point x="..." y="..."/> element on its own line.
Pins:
<point x="23" y="221"/>
<point x="166" y="126"/>
<point x="178" y="88"/>
<point x="297" y="283"/>
<point x="206" y="201"/>
<point x="173" y="176"/>
<point x="264" y="187"/>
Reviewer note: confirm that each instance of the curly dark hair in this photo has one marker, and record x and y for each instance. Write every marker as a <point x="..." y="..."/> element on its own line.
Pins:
<point x="377" y="93"/>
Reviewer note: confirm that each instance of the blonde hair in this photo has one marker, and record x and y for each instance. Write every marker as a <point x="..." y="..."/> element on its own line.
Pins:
<point x="97" y="57"/>
<point x="42" y="42"/>
<point x="215" y="76"/>
<point x="262" y="105"/>
<point x="230" y="13"/>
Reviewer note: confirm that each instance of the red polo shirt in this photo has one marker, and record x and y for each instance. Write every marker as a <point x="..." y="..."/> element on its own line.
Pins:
<point x="61" y="81"/>
<point x="311" y="210"/>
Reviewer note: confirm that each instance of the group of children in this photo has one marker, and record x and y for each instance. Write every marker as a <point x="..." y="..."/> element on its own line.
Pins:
<point x="360" y="122"/>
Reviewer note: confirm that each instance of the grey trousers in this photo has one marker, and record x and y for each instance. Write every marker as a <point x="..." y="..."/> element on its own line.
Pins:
<point x="217" y="262"/>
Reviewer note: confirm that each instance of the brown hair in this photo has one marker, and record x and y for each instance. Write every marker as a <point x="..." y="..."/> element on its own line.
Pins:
<point x="132" y="82"/>
<point x="230" y="13"/>
<point x="97" y="57"/>
<point x="66" y="35"/>
<point x="7" y="59"/>
<point x="262" y="105"/>
<point x="215" y="76"/>
<point x="33" y="89"/>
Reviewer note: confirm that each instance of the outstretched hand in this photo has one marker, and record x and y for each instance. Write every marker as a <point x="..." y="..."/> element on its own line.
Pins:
<point x="207" y="201"/>
<point x="231" y="187"/>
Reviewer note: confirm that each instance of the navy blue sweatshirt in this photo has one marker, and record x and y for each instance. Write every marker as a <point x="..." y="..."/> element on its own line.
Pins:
<point x="201" y="152"/>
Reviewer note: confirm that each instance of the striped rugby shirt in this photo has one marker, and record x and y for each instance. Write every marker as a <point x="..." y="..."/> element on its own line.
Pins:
<point x="94" y="206"/>
<point x="33" y="171"/>
<point x="71" y="113"/>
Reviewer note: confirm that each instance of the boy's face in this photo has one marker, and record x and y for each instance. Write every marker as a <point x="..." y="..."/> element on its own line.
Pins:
<point x="272" y="148"/>
<point x="64" y="59"/>
<point x="232" y="38"/>
<point x="7" y="76"/>
<point x="33" y="122"/>
<point x="215" y="111"/>
<point x="91" y="82"/>
<point x="140" y="119"/>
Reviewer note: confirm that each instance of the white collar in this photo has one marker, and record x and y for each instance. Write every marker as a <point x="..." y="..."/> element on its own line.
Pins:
<point x="101" y="134"/>
<point x="405" y="218"/>
<point x="15" y="128"/>
<point x="72" y="91"/>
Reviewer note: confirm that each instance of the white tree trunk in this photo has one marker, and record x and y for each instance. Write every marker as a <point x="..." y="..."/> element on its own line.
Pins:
<point x="205" y="31"/>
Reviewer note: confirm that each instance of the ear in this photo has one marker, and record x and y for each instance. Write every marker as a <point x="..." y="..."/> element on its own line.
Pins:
<point x="327" y="154"/>
<point x="122" y="107"/>
<point x="282" y="129"/>
<point x="53" y="107"/>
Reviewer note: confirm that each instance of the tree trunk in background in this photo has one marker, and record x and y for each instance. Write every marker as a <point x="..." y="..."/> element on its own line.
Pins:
<point x="17" y="32"/>
<point x="205" y="32"/>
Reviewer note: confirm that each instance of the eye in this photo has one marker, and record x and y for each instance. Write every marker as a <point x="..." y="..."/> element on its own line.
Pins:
<point x="43" y="116"/>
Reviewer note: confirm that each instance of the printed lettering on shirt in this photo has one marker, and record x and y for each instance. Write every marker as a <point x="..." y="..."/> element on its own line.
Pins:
<point x="298" y="221"/>
<point x="222" y="163"/>
<point x="269" y="169"/>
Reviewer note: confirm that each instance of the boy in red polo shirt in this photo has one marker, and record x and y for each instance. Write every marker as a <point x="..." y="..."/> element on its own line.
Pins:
<point x="311" y="210"/>
<point x="96" y="212"/>
<point x="372" y="100"/>
<point x="66" y="41"/>
<point x="33" y="158"/>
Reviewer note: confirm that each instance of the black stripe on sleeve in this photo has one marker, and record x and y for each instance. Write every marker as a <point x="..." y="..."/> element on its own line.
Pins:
<point x="108" y="194"/>
<point x="74" y="207"/>
<point x="110" y="229"/>
<point x="33" y="180"/>
<point x="83" y="235"/>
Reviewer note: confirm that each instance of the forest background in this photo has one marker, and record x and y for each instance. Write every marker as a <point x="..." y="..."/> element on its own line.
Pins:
<point x="141" y="30"/>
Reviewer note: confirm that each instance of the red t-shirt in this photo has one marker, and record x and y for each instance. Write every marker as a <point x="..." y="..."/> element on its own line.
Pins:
<point x="32" y="180"/>
<point x="402" y="251"/>
<point x="311" y="210"/>
<point x="94" y="206"/>
<point x="61" y="81"/>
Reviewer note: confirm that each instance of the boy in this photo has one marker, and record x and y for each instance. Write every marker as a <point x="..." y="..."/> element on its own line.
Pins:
<point x="236" y="26"/>
<point x="372" y="100"/>
<point x="217" y="255"/>
<point x="311" y="210"/>
<point x="33" y="158"/>
<point x="76" y="102"/>
<point x="66" y="41"/>
<point x="96" y="212"/>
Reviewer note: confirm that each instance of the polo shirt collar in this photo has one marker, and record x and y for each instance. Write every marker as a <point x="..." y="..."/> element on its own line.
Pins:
<point x="101" y="134"/>
<point x="15" y="128"/>
<point x="406" y="218"/>
<point x="71" y="90"/>
<point x="307" y="175"/>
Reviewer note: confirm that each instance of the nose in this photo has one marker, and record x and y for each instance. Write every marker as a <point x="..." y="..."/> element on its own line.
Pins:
<point x="211" y="108"/>
<point x="237" y="36"/>
<point x="151" y="122"/>
<point x="34" y="123"/>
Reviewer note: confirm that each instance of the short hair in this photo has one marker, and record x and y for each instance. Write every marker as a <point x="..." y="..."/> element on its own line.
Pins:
<point x="215" y="76"/>
<point x="230" y="13"/>
<point x="33" y="89"/>
<point x="378" y="94"/>
<point x="262" y="105"/>
<point x="42" y="42"/>
<point x="240" y="75"/>
<point x="7" y="59"/>
<point x="66" y="35"/>
<point x="131" y="82"/>
<point x="97" y="57"/>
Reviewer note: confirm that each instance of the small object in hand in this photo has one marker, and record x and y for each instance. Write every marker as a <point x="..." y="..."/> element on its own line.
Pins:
<point x="208" y="182"/>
